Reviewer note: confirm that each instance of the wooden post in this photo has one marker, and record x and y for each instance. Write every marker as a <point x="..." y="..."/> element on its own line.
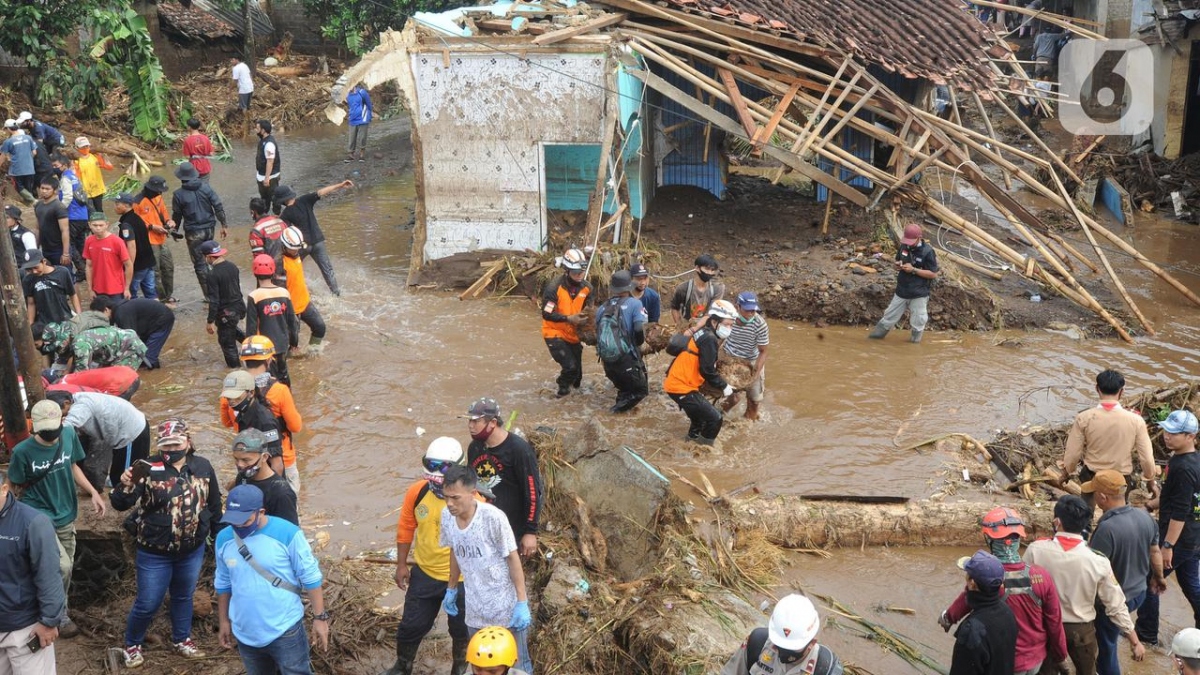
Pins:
<point x="612" y="118"/>
<point x="16" y="326"/>
<point x="828" y="210"/>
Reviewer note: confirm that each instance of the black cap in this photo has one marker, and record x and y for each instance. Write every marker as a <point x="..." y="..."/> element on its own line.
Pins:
<point x="33" y="258"/>
<point x="155" y="184"/>
<point x="284" y="193"/>
<point x="13" y="212"/>
<point x="638" y="270"/>
<point x="707" y="260"/>
<point x="124" y="198"/>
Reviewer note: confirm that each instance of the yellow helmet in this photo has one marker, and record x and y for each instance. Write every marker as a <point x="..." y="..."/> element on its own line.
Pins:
<point x="492" y="646"/>
<point x="257" y="348"/>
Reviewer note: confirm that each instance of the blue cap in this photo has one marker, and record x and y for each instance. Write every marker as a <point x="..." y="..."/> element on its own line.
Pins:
<point x="747" y="300"/>
<point x="1180" y="422"/>
<point x="985" y="568"/>
<point x="244" y="501"/>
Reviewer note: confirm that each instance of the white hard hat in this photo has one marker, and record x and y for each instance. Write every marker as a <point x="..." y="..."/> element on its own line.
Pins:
<point x="24" y="116"/>
<point x="573" y="259"/>
<point x="293" y="237"/>
<point x="446" y="449"/>
<point x="794" y="623"/>
<point x="723" y="309"/>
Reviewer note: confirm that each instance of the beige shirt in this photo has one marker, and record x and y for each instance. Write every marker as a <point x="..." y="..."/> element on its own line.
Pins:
<point x="1081" y="576"/>
<point x="1108" y="439"/>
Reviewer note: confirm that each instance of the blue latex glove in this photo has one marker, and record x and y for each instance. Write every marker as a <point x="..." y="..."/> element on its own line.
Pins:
<point x="450" y="602"/>
<point x="520" y="616"/>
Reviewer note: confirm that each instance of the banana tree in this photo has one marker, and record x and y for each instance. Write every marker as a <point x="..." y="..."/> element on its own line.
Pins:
<point x="123" y="41"/>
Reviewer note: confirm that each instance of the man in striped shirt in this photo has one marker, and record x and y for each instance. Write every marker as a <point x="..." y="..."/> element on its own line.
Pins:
<point x="748" y="343"/>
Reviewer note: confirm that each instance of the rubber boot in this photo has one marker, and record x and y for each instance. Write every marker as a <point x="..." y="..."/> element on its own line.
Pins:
<point x="27" y="197"/>
<point x="458" y="650"/>
<point x="406" y="653"/>
<point x="751" y="409"/>
<point x="878" y="332"/>
<point x="916" y="336"/>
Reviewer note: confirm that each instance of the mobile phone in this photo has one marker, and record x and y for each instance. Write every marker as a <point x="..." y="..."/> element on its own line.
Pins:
<point x="140" y="470"/>
<point x="34" y="644"/>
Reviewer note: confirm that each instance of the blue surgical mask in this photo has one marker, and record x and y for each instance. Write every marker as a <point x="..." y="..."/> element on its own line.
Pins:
<point x="244" y="531"/>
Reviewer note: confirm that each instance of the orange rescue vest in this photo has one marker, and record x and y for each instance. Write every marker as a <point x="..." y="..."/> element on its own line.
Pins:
<point x="683" y="377"/>
<point x="566" y="305"/>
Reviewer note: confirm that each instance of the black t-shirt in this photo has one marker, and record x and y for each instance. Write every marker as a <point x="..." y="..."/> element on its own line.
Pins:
<point x="48" y="215"/>
<point x="1181" y="500"/>
<point x="133" y="228"/>
<point x="510" y="471"/>
<point x="51" y="294"/>
<point x="278" y="498"/>
<point x="922" y="257"/>
<point x="143" y="316"/>
<point x="225" y="292"/>
<point x="301" y="214"/>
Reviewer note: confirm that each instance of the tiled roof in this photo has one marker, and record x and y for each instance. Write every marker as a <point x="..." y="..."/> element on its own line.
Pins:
<point x="934" y="39"/>
<point x="205" y="20"/>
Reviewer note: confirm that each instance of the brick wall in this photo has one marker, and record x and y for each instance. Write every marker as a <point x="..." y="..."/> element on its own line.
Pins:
<point x="288" y="15"/>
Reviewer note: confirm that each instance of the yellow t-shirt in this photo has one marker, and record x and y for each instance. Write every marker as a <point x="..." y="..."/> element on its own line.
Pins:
<point x="88" y="170"/>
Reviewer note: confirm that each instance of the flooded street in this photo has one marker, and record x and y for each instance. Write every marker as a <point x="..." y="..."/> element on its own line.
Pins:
<point x="399" y="366"/>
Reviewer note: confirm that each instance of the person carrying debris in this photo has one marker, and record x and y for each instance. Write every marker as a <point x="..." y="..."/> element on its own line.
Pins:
<point x="695" y="366"/>
<point x="493" y="651"/>
<point x="620" y="324"/>
<point x="424" y="583"/>
<point x="299" y="211"/>
<point x="692" y="299"/>
<point x="1030" y="593"/>
<point x="747" y="344"/>
<point x="1128" y="537"/>
<point x="563" y="302"/>
<point x="1178" y="528"/>
<point x="198" y="209"/>
<point x="226" y="306"/>
<point x="1085" y="583"/>
<point x="484" y="552"/>
<point x="178" y="498"/>
<point x="1108" y="437"/>
<point x="986" y="642"/>
<point x="787" y="646"/>
<point x="916" y="268"/>
<point x="507" y="467"/>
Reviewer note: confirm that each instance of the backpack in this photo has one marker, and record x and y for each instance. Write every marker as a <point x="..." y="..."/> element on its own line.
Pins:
<point x="612" y="340"/>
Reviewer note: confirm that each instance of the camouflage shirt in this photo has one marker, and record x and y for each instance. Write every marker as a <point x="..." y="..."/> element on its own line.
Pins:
<point x="107" y="346"/>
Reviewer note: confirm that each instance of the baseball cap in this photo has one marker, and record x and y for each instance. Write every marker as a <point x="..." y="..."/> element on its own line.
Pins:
<point x="912" y="234"/>
<point x="13" y="212"/>
<point x="24" y="116"/>
<point x="747" y="300"/>
<point x="237" y="383"/>
<point x="638" y="270"/>
<point x="484" y="407"/>
<point x="1106" y="481"/>
<point x="621" y="282"/>
<point x="244" y="501"/>
<point x="284" y="193"/>
<point x="176" y="439"/>
<point x="82" y="142"/>
<point x="707" y="260"/>
<point x="46" y="415"/>
<point x="249" y="440"/>
<point x="210" y="248"/>
<point x="33" y="258"/>
<point x="984" y="568"/>
<point x="10" y="123"/>
<point x="124" y="198"/>
<point x="1180" y="422"/>
<point x="156" y="184"/>
<point x="1186" y="644"/>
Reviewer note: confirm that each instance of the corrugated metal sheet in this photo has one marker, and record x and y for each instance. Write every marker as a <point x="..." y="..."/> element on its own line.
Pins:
<point x="684" y="160"/>
<point x="858" y="144"/>
<point x="570" y="173"/>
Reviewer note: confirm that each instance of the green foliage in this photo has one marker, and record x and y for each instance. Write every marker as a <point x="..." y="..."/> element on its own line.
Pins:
<point x="356" y="24"/>
<point x="124" y="44"/>
<point x="36" y="31"/>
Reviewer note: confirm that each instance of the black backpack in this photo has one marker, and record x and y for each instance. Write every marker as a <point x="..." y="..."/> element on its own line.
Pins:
<point x="612" y="340"/>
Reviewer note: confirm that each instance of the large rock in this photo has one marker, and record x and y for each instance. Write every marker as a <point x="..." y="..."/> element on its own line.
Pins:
<point x="622" y="492"/>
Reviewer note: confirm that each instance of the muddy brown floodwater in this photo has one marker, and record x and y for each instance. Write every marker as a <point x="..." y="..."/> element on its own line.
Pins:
<point x="399" y="366"/>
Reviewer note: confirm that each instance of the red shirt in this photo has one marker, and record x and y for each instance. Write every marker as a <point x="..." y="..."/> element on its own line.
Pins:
<point x="107" y="256"/>
<point x="115" y="380"/>
<point x="198" y="149"/>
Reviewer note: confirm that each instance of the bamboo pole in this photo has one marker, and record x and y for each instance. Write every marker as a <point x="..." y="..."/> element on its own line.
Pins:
<point x="987" y="124"/>
<point x="1038" y="141"/>
<point x="970" y="264"/>
<point x="816" y="111"/>
<point x="1072" y="250"/>
<point x="828" y="211"/>
<point x="1055" y="19"/>
<point x="1112" y="274"/>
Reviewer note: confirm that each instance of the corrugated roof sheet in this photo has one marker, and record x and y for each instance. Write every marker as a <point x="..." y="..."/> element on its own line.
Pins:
<point x="934" y="39"/>
<point x="205" y="20"/>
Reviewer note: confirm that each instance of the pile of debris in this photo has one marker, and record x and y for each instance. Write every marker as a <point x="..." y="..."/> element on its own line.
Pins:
<point x="1156" y="183"/>
<point x="549" y="22"/>
<point x="292" y="94"/>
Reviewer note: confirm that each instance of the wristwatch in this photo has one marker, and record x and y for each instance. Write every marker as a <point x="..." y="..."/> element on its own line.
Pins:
<point x="1167" y="545"/>
<point x="323" y="616"/>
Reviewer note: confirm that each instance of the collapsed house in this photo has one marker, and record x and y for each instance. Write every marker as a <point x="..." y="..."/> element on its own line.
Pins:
<point x="521" y="109"/>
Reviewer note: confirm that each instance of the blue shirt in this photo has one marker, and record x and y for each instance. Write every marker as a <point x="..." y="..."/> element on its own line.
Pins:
<point x="359" y="102"/>
<point x="77" y="209"/>
<point x="44" y="132"/>
<point x="259" y="612"/>
<point x="633" y="316"/>
<point x="20" y="148"/>
<point x="653" y="304"/>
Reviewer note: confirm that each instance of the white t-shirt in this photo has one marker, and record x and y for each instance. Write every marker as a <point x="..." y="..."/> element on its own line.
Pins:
<point x="241" y="73"/>
<point x="481" y="550"/>
<point x="269" y="153"/>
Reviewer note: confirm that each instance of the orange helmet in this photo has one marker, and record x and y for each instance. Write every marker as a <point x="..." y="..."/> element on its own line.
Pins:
<point x="1003" y="522"/>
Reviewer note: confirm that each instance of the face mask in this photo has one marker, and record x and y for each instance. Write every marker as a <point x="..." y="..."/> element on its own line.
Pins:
<point x="705" y="276"/>
<point x="1007" y="550"/>
<point x="436" y="482"/>
<point x="50" y="435"/>
<point x="241" y="407"/>
<point x="724" y="331"/>
<point x="252" y="471"/>
<point x="244" y="531"/>
<point x="788" y="656"/>
<point x="174" y="456"/>
<point x="483" y="433"/>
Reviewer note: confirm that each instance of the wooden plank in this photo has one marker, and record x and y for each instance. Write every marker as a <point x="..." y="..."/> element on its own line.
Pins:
<point x="586" y="27"/>
<point x="728" y="125"/>
<point x="739" y="104"/>
<point x="846" y="117"/>
<point x="917" y="169"/>
<point x="764" y="133"/>
<point x="505" y="26"/>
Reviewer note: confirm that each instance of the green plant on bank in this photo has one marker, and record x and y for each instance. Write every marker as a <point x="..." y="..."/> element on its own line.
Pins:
<point x="356" y="24"/>
<point x="36" y="33"/>
<point x="124" y="42"/>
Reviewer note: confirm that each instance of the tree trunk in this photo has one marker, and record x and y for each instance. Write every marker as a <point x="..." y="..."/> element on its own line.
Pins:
<point x="248" y="30"/>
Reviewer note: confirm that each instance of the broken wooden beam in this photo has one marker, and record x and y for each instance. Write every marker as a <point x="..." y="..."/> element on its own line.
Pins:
<point x="555" y="36"/>
<point x="739" y="104"/>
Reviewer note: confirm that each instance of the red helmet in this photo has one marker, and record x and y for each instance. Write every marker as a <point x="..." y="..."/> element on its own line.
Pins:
<point x="1003" y="522"/>
<point x="264" y="265"/>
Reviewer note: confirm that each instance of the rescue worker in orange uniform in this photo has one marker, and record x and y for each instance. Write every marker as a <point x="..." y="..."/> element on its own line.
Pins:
<point x="696" y="366"/>
<point x="257" y="352"/>
<point x="563" y="304"/>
